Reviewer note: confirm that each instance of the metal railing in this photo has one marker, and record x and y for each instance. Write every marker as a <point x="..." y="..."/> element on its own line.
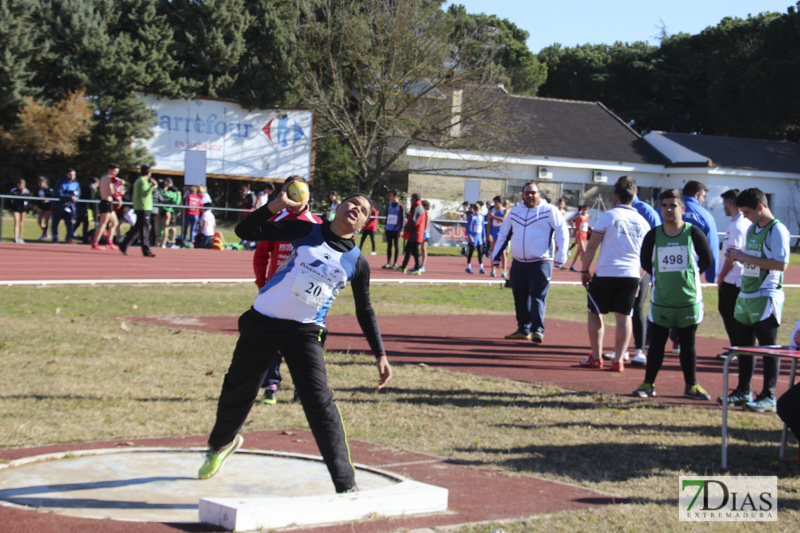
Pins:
<point x="6" y="198"/>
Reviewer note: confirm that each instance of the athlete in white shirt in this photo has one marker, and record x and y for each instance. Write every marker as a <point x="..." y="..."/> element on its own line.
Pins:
<point x="615" y="282"/>
<point x="729" y="273"/>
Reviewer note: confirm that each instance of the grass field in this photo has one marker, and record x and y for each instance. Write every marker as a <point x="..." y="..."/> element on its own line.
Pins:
<point x="76" y="370"/>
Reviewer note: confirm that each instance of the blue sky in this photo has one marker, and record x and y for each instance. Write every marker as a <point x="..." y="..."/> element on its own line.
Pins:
<point x="575" y="22"/>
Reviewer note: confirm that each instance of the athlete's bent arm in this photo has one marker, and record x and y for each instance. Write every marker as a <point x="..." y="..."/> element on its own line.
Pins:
<point x="646" y="252"/>
<point x="703" y="248"/>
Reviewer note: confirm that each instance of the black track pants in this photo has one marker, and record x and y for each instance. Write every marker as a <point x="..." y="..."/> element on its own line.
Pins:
<point x="260" y="337"/>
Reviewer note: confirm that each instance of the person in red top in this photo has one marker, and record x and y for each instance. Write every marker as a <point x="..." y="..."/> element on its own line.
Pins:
<point x="269" y="256"/>
<point x="369" y="231"/>
<point x="580" y="224"/>
<point x="190" y="215"/>
<point x="414" y="234"/>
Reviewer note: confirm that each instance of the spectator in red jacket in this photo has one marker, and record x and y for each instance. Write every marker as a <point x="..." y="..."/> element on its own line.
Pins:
<point x="369" y="231"/>
<point x="190" y="216"/>
<point x="414" y="233"/>
<point x="268" y="257"/>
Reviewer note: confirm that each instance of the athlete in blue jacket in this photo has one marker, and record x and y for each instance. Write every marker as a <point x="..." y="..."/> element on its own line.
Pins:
<point x="694" y="194"/>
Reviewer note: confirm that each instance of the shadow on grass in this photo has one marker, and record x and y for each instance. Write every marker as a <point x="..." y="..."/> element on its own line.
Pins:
<point x="467" y="398"/>
<point x="623" y="462"/>
<point x="83" y="398"/>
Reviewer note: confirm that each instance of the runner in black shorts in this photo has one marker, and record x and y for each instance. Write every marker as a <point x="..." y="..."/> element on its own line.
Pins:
<point x="104" y="207"/>
<point x="612" y="295"/>
<point x="615" y="283"/>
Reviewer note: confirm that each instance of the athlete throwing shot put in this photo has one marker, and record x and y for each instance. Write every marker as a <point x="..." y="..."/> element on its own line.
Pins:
<point x="289" y="316"/>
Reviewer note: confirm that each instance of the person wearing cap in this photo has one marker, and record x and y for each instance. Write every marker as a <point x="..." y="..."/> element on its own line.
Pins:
<point x="289" y="315"/>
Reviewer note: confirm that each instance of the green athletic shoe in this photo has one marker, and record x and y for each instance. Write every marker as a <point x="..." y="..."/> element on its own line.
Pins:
<point x="762" y="404"/>
<point x="645" y="390"/>
<point x="737" y="398"/>
<point x="696" y="392"/>
<point x="214" y="459"/>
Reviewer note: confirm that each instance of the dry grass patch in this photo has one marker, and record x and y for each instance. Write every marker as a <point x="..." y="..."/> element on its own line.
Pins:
<point x="83" y="374"/>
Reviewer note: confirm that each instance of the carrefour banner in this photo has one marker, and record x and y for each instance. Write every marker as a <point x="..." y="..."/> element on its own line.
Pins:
<point x="448" y="233"/>
<point x="236" y="141"/>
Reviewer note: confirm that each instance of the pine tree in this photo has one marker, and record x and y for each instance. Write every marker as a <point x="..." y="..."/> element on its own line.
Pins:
<point x="211" y="42"/>
<point x="21" y="47"/>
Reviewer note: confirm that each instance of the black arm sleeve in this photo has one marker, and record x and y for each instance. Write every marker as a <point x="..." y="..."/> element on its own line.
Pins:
<point x="703" y="249"/>
<point x="364" y="312"/>
<point x="646" y="255"/>
<point x="257" y="227"/>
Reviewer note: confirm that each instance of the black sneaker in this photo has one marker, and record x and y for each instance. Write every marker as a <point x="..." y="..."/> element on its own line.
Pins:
<point x="537" y="337"/>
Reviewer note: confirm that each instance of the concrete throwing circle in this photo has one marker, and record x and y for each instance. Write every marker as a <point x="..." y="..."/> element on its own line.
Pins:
<point x="160" y="484"/>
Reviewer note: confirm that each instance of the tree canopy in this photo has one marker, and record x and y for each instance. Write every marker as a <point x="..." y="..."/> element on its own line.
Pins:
<point x="732" y="79"/>
<point x="379" y="74"/>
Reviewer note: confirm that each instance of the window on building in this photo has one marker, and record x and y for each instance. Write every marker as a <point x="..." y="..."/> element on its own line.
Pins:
<point x="572" y="193"/>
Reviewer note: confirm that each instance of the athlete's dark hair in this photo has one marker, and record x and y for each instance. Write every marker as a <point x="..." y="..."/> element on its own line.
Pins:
<point x="671" y="193"/>
<point x="293" y="177"/>
<point x="751" y="198"/>
<point x="693" y="187"/>
<point x="730" y="194"/>
<point x="363" y="196"/>
<point x="625" y="189"/>
<point x="144" y="170"/>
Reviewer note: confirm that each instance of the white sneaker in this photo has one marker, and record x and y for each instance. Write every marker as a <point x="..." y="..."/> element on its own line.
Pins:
<point x="610" y="356"/>
<point x="373" y="253"/>
<point x="640" y="359"/>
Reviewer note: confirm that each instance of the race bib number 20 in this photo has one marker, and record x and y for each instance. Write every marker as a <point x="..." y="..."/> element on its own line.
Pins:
<point x="312" y="289"/>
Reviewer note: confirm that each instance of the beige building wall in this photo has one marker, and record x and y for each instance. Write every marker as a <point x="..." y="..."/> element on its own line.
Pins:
<point x="451" y="188"/>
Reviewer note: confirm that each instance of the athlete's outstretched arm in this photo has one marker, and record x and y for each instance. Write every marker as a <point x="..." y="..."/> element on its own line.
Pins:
<point x="384" y="371"/>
